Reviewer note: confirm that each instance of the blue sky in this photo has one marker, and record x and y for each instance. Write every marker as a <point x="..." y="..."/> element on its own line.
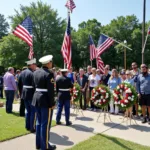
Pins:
<point x="103" y="10"/>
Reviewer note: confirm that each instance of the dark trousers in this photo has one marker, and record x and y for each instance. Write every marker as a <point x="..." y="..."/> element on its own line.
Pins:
<point x="1" y="92"/>
<point x="9" y="100"/>
<point x="91" y="102"/>
<point x="30" y="116"/>
<point x="22" y="108"/>
<point x="43" y="124"/>
<point x="60" y="105"/>
<point x="83" y="106"/>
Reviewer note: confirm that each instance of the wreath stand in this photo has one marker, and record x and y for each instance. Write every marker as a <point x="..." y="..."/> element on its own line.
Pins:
<point x="129" y="116"/>
<point x="106" y="114"/>
<point x="77" y="110"/>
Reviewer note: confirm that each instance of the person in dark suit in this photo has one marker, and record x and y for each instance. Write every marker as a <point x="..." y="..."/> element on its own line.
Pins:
<point x="1" y="87"/>
<point x="26" y="90"/>
<point x="22" y="106"/>
<point x="63" y="86"/>
<point x="44" y="103"/>
<point x="83" y="82"/>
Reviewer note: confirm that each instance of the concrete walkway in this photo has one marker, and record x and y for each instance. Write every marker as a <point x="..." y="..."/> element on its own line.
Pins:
<point x="83" y="128"/>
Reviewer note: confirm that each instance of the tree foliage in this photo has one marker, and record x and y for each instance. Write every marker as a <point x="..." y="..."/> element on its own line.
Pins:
<point x="3" y="26"/>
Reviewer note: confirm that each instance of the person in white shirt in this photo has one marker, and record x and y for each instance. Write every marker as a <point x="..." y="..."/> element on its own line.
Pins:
<point x="94" y="80"/>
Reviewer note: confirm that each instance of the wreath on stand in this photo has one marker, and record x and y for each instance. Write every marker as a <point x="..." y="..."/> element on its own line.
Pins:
<point x="75" y="93"/>
<point x="101" y="96"/>
<point x="124" y="96"/>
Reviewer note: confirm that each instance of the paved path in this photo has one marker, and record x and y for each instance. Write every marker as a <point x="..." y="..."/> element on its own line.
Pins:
<point x="84" y="127"/>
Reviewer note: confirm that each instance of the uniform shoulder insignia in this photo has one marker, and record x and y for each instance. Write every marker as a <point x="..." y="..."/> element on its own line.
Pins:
<point x="52" y="80"/>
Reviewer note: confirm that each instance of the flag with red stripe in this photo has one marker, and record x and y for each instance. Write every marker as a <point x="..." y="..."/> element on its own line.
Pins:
<point x="66" y="46"/>
<point x="70" y="5"/>
<point x="103" y="44"/>
<point x="24" y="32"/>
<point x="92" y="48"/>
<point x="100" y="64"/>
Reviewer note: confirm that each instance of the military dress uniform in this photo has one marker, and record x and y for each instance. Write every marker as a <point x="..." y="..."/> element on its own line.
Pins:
<point x="43" y="101"/>
<point x="63" y="85"/>
<point x="26" y="90"/>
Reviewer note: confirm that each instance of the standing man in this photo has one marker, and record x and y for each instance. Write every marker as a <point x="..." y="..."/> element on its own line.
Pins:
<point x="143" y="89"/>
<point x="83" y="82"/>
<point x="1" y="87"/>
<point x="135" y="72"/>
<point x="63" y="86"/>
<point x="10" y="88"/>
<point x="44" y="103"/>
<point x="105" y="77"/>
<point x="26" y="90"/>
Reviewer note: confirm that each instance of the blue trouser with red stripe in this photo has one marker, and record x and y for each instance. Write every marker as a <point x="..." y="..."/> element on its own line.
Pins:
<point x="43" y="124"/>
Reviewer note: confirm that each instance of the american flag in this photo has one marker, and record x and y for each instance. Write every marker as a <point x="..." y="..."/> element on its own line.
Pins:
<point x="103" y="43"/>
<point x="100" y="64"/>
<point x="70" y="5"/>
<point x="148" y="30"/>
<point x="92" y="48"/>
<point x="24" y="32"/>
<point x="66" y="46"/>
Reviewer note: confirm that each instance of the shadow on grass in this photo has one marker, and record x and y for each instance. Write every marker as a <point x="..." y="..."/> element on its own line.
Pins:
<point x="60" y="140"/>
<point x="16" y="114"/>
<point x="116" y="141"/>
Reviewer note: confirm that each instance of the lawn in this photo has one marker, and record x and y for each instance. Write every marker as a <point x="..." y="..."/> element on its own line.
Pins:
<point x="103" y="142"/>
<point x="12" y="125"/>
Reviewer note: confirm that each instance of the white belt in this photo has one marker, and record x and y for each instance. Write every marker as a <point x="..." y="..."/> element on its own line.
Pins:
<point x="41" y="90"/>
<point x="64" y="89"/>
<point x="28" y="87"/>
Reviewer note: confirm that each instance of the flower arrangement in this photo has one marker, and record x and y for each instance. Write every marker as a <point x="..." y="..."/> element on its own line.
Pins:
<point x="75" y="93"/>
<point x="124" y="95"/>
<point x="101" y="96"/>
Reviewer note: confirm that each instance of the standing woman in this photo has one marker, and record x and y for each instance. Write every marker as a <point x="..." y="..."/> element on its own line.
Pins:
<point x="71" y="75"/>
<point x="94" y="80"/>
<point x="113" y="82"/>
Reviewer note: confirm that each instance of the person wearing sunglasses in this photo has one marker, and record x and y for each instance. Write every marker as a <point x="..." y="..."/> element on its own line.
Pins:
<point x="129" y="80"/>
<point x="143" y="88"/>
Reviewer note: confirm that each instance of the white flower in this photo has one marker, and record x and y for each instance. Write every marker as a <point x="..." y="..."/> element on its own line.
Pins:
<point x="129" y="97"/>
<point x="128" y="91"/>
<point x="102" y="97"/>
<point x="121" y="91"/>
<point x="126" y="101"/>
<point x="132" y="99"/>
<point x="116" y="102"/>
<point x="132" y="95"/>
<point x="122" y="105"/>
<point x="104" y="100"/>
<point x="118" y="87"/>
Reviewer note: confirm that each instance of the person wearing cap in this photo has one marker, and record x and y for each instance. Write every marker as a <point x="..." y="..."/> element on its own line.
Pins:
<point x="143" y="89"/>
<point x="123" y="75"/>
<point x="44" y="103"/>
<point x="63" y="86"/>
<point x="26" y="90"/>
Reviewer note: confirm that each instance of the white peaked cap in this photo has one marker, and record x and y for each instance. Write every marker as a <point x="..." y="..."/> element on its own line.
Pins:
<point x="46" y="59"/>
<point x="64" y="70"/>
<point x="32" y="61"/>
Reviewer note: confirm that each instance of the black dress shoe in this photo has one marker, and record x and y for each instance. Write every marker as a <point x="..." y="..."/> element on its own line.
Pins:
<point x="52" y="147"/>
<point x="58" y="123"/>
<point x="149" y="121"/>
<point x="69" y="123"/>
<point x="32" y="131"/>
<point x="144" y="120"/>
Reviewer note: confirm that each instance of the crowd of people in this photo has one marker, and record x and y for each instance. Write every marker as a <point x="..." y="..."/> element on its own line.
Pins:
<point x="35" y="88"/>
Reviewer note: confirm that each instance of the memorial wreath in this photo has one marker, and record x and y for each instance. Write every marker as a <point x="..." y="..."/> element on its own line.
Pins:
<point x="101" y="96"/>
<point x="75" y="93"/>
<point x="124" y="95"/>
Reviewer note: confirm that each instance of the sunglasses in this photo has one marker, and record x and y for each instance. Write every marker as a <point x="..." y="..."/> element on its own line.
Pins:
<point x="143" y="67"/>
<point x="127" y="74"/>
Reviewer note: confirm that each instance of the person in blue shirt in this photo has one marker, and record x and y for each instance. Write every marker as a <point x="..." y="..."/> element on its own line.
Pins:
<point x="71" y="76"/>
<point x="143" y="89"/>
<point x="129" y="80"/>
<point x="113" y="82"/>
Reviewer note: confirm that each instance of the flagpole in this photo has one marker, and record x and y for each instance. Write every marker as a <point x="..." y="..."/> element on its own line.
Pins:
<point x="118" y="42"/>
<point x="145" y="44"/>
<point x="91" y="63"/>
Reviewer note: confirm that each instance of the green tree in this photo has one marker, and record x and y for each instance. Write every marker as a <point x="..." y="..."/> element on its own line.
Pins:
<point x="3" y="26"/>
<point x="48" y="29"/>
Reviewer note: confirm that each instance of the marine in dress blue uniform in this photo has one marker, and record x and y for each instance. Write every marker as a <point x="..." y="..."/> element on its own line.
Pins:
<point x="44" y="103"/>
<point x="63" y="85"/>
<point x="26" y="90"/>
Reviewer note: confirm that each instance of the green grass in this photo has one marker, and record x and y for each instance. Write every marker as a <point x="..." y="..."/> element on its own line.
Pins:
<point x="12" y="125"/>
<point x="4" y="101"/>
<point x="103" y="142"/>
